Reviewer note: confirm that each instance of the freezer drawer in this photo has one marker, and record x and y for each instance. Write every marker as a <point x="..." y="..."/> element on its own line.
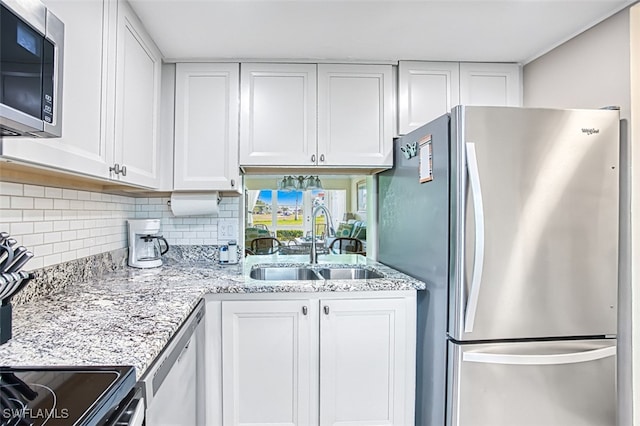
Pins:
<point x="567" y="383"/>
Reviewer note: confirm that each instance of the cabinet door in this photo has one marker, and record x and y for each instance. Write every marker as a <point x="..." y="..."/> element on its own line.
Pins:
<point x="278" y="118"/>
<point x="83" y="145"/>
<point x="267" y="354"/>
<point x="490" y="84"/>
<point x="426" y="90"/>
<point x="137" y="101"/>
<point x="206" y="127"/>
<point x="364" y="364"/>
<point x="355" y="115"/>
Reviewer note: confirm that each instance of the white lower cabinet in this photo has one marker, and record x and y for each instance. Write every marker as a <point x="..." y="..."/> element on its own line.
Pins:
<point x="322" y="360"/>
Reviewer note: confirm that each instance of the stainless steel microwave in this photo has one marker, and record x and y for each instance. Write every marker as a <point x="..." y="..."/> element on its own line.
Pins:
<point x="31" y="58"/>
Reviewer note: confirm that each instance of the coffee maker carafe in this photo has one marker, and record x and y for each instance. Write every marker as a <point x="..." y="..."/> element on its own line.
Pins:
<point x="145" y="249"/>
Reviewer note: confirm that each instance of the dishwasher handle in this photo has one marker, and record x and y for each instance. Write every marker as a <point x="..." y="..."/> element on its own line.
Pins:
<point x="134" y="414"/>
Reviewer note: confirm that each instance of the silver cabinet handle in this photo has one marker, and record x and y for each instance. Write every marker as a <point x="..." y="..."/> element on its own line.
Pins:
<point x="321" y="157"/>
<point x="305" y="310"/>
<point x="233" y="182"/>
<point x="123" y="170"/>
<point x="326" y="310"/>
<point x="313" y="158"/>
<point x="115" y="168"/>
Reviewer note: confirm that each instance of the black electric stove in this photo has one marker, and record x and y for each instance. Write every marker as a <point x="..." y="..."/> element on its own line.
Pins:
<point x="63" y="396"/>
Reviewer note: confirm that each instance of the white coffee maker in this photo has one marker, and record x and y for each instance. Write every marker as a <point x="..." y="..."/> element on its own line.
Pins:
<point x="145" y="249"/>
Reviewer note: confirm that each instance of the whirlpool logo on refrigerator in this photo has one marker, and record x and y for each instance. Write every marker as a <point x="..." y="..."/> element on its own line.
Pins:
<point x="590" y="131"/>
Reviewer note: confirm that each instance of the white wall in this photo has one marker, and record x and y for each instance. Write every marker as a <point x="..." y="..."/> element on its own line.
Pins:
<point x="60" y="225"/>
<point x="591" y="71"/>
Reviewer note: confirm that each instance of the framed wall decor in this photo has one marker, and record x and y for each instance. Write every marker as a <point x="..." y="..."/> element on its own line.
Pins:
<point x="361" y="189"/>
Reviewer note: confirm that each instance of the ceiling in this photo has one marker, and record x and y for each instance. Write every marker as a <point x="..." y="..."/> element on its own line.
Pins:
<point x="363" y="30"/>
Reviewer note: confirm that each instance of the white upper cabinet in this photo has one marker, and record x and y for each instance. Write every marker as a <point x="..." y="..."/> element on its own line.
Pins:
<point x="426" y="90"/>
<point x="355" y="115"/>
<point x="137" y="101"/>
<point x="490" y="84"/>
<point x="278" y="116"/>
<point x="206" y="127"/>
<point x="83" y="147"/>
<point x="342" y="120"/>
<point x="111" y="94"/>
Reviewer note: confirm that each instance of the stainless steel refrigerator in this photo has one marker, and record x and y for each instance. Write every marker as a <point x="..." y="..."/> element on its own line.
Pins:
<point x="510" y="215"/>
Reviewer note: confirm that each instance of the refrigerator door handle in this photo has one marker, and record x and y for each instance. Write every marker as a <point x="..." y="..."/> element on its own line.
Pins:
<point x="553" y="359"/>
<point x="478" y="212"/>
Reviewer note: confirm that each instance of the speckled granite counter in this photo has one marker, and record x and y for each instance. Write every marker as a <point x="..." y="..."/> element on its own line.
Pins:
<point x="127" y="316"/>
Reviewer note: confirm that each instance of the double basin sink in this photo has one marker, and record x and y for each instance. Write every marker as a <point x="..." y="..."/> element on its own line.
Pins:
<point x="303" y="273"/>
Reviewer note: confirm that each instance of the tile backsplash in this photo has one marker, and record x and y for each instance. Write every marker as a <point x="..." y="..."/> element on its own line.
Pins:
<point x="60" y="225"/>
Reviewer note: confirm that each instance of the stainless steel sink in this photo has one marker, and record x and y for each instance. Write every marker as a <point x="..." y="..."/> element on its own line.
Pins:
<point x="348" y="274"/>
<point x="274" y="273"/>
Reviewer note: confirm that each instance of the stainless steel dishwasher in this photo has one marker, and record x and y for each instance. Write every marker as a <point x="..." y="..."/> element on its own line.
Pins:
<point x="172" y="386"/>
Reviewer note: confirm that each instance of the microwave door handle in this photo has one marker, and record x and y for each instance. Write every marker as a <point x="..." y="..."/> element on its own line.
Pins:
<point x="478" y="212"/>
<point x="547" y="359"/>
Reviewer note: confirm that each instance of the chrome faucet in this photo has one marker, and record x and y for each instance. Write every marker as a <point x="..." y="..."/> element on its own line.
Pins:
<point x="313" y="255"/>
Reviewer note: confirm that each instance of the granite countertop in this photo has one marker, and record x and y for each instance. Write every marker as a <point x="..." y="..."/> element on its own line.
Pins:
<point x="127" y="316"/>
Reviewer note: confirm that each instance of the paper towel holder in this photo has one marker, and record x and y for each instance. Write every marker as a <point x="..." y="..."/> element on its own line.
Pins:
<point x="218" y="200"/>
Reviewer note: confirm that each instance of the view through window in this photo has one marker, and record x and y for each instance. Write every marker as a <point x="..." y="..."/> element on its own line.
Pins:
<point x="286" y="214"/>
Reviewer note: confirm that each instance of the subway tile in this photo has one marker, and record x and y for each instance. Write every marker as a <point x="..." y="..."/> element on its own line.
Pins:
<point x="76" y="224"/>
<point x="69" y="215"/>
<point x="83" y="233"/>
<point x="10" y="188"/>
<point x="53" y="192"/>
<point x="96" y="196"/>
<point x="35" y="263"/>
<point x="196" y="241"/>
<point x="33" y="215"/>
<point x="21" y="202"/>
<point x="84" y="252"/>
<point x="76" y="204"/>
<point x="61" y="225"/>
<point x="33" y="191"/>
<point x="69" y="235"/>
<point x="61" y="246"/>
<point x="31" y="240"/>
<point x="52" y="259"/>
<point x="70" y="194"/>
<point x="41" y="227"/>
<point x="61" y="204"/>
<point x="5" y="201"/>
<point x="42" y="250"/>
<point x="68" y="255"/>
<point x="75" y="244"/>
<point x="84" y="195"/>
<point x="52" y="237"/>
<point x="89" y="242"/>
<point x="21" y="228"/>
<point x="157" y="200"/>
<point x="43" y="203"/>
<point x="142" y="201"/>
<point x="10" y="215"/>
<point x="52" y="215"/>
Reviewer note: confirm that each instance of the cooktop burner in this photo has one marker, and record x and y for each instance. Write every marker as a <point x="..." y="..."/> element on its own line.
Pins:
<point x="62" y="396"/>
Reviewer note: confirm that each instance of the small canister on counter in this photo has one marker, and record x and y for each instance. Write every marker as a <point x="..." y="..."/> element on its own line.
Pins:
<point x="224" y="254"/>
<point x="232" y="251"/>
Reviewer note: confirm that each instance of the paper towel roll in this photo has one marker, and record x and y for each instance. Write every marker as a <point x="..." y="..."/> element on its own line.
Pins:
<point x="194" y="203"/>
